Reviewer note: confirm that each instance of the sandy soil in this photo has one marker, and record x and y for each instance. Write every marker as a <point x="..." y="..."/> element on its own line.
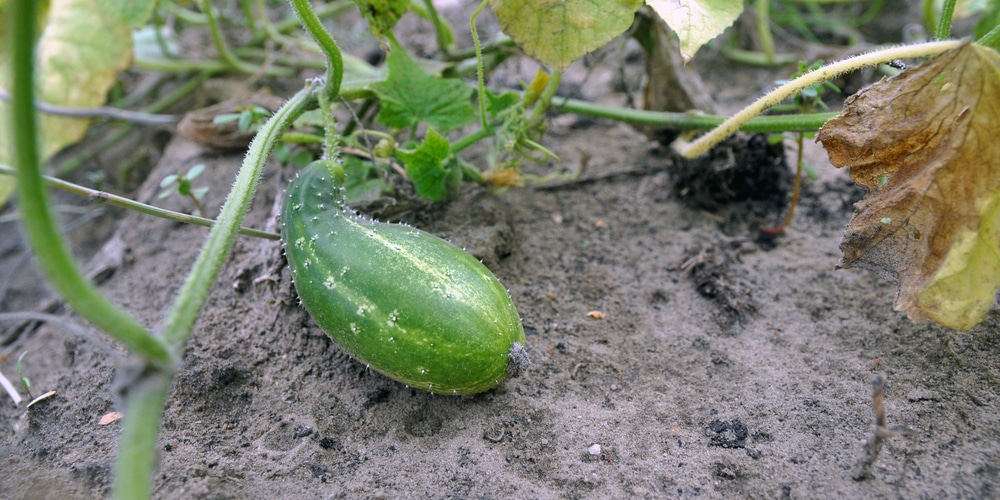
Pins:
<point x="724" y="365"/>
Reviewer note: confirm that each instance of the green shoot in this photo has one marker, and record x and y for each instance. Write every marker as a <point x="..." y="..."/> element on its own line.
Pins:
<point x="249" y="118"/>
<point x="25" y="382"/>
<point x="181" y="184"/>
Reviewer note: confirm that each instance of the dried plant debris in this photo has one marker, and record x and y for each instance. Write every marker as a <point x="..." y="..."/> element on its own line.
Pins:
<point x="924" y="145"/>
<point x="882" y="432"/>
<point x="716" y="276"/>
<point x="203" y="126"/>
<point x="742" y="168"/>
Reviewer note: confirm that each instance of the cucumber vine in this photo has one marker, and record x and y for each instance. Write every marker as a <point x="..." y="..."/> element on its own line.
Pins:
<point x="420" y="105"/>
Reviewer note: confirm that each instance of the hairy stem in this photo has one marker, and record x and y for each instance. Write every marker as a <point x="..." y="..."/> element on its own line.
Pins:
<point x="137" y="445"/>
<point x="193" y="294"/>
<point x="334" y="59"/>
<point x="480" y="79"/>
<point x="727" y="128"/>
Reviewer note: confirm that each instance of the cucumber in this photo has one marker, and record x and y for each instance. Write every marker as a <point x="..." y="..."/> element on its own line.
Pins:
<point x="405" y="302"/>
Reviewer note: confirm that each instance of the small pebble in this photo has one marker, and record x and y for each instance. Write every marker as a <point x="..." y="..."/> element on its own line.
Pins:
<point x="594" y="450"/>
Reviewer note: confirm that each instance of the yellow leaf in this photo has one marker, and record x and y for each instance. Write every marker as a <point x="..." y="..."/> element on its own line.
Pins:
<point x="558" y="32"/>
<point x="81" y="51"/>
<point x="80" y="54"/>
<point x="697" y="22"/>
<point x="925" y="145"/>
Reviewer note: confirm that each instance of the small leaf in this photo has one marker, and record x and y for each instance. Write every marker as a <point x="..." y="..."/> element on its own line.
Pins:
<point x="226" y="118"/>
<point x="697" y="22"/>
<point x="498" y="103"/>
<point x="283" y="152"/>
<point x="199" y="193"/>
<point x="245" y="120"/>
<point x="410" y="96"/>
<point x="925" y="146"/>
<point x="558" y="32"/>
<point x="195" y="171"/>
<point x="426" y="166"/>
<point x="168" y="180"/>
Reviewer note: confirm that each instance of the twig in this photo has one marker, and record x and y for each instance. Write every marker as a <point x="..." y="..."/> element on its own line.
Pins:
<point x="11" y="391"/>
<point x="121" y="201"/>
<point x="124" y="115"/>
<point x="882" y="431"/>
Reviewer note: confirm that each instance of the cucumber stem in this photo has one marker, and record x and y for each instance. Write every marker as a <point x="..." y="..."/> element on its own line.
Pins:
<point x="727" y="128"/>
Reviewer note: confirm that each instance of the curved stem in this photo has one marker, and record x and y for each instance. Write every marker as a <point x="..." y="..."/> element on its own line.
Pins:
<point x="192" y="296"/>
<point x="220" y="45"/>
<point x="445" y="38"/>
<point x="53" y="256"/>
<point x="727" y="128"/>
<point x="480" y="79"/>
<point x="334" y="59"/>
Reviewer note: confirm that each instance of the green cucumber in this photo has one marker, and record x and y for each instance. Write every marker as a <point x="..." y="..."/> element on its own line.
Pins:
<point x="407" y="303"/>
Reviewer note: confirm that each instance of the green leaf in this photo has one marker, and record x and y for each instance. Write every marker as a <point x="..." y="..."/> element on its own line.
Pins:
<point x="168" y="180"/>
<point x="133" y="13"/>
<point x="410" y="96"/>
<point x="558" y="32"/>
<point x="225" y="118"/>
<point x="425" y="165"/>
<point x="362" y="181"/>
<point x="496" y="104"/>
<point x="696" y="22"/>
<point x="301" y="158"/>
<point x="195" y="171"/>
<point x="382" y="15"/>
<point x="989" y="20"/>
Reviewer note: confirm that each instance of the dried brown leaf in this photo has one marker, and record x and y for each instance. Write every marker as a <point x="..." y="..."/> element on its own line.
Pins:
<point x="926" y="145"/>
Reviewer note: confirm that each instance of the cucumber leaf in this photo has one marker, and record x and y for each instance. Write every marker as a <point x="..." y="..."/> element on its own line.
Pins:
<point x="924" y="145"/>
<point x="426" y="166"/>
<point x="696" y="22"/>
<point x="409" y="96"/>
<point x="560" y="32"/>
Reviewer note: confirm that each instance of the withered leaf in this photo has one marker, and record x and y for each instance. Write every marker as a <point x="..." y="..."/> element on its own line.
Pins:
<point x="926" y="145"/>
